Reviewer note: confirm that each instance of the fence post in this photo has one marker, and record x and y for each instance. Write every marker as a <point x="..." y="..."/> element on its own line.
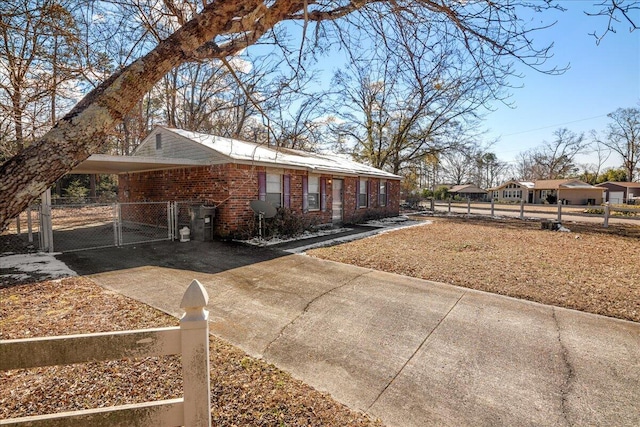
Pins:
<point x="559" y="210"/>
<point x="29" y="225"/>
<point x="449" y="205"/>
<point x="492" y="206"/>
<point x="433" y="205"/>
<point x="194" y="333"/>
<point x="468" y="205"/>
<point x="606" y="215"/>
<point x="46" y="225"/>
<point x="522" y="209"/>
<point x="169" y="221"/>
<point x="116" y="224"/>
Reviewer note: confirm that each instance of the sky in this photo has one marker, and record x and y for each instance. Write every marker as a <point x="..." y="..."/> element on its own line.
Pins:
<point x="601" y="78"/>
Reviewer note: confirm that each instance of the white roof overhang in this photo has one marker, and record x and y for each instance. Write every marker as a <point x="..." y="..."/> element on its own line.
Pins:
<point x="107" y="164"/>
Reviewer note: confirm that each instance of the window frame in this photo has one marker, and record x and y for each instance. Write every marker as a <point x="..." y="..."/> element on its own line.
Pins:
<point x="270" y="194"/>
<point x="382" y="193"/>
<point x="363" y="193"/>
<point x="313" y="181"/>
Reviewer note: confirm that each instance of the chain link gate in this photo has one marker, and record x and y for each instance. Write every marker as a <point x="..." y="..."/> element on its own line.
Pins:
<point x="81" y="227"/>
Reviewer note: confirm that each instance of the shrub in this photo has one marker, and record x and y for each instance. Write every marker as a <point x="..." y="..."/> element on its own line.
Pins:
<point x="76" y="192"/>
<point x="441" y="193"/>
<point x="287" y="223"/>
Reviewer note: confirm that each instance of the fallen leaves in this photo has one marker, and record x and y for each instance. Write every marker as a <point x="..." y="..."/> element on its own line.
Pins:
<point x="597" y="273"/>
<point x="245" y="391"/>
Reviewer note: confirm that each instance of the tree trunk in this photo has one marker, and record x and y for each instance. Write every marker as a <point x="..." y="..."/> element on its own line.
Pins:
<point x="83" y="130"/>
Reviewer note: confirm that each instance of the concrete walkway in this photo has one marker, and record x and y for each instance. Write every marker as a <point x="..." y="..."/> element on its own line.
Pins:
<point x="409" y="351"/>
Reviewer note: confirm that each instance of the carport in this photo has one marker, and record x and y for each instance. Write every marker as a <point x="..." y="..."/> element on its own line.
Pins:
<point x="108" y="164"/>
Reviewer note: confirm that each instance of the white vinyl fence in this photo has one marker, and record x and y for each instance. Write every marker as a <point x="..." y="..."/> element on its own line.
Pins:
<point x="190" y="340"/>
<point x="603" y="214"/>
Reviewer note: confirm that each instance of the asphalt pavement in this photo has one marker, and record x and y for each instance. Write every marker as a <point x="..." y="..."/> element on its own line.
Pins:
<point x="410" y="352"/>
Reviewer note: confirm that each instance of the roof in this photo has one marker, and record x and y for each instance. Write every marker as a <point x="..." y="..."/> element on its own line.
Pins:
<point x="248" y="152"/>
<point x="620" y="184"/>
<point x="550" y="184"/>
<point x="107" y="164"/>
<point x="555" y="184"/>
<point x="525" y="184"/>
<point x="467" y="188"/>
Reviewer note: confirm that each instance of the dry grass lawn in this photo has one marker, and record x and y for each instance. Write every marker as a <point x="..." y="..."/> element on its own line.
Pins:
<point x="245" y="391"/>
<point x="590" y="269"/>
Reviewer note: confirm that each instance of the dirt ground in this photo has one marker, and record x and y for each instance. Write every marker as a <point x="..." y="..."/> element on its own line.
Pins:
<point x="591" y="269"/>
<point x="245" y="391"/>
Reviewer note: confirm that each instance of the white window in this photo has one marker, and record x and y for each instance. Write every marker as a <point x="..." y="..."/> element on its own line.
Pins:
<point x="362" y="196"/>
<point x="313" y="193"/>
<point x="382" y="193"/>
<point x="274" y="189"/>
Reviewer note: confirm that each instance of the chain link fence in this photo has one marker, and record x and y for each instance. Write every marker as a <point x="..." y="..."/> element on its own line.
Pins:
<point x="76" y="227"/>
<point x="144" y="222"/>
<point x="23" y="233"/>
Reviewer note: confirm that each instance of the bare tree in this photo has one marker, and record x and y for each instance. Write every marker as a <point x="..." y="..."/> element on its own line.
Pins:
<point x="555" y="159"/>
<point x="418" y="95"/>
<point x="623" y="137"/>
<point x="38" y="54"/>
<point x="616" y="12"/>
<point x="591" y="171"/>
<point x="492" y="33"/>
<point x="458" y="166"/>
<point x="489" y="170"/>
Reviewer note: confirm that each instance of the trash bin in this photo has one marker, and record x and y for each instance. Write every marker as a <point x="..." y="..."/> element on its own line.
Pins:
<point x="202" y="222"/>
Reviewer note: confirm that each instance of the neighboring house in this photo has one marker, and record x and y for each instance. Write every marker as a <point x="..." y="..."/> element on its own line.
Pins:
<point x="569" y="191"/>
<point x="323" y="188"/>
<point x="512" y="191"/>
<point x="468" y="191"/>
<point x="620" y="192"/>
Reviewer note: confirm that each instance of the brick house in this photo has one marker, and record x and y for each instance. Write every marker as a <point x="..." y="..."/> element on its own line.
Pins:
<point x="229" y="174"/>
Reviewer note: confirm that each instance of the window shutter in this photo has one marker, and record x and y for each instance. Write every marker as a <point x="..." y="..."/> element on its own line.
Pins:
<point x="386" y="193"/>
<point x="286" y="184"/>
<point x="357" y="193"/>
<point x="368" y="191"/>
<point x="305" y="193"/>
<point x="323" y="194"/>
<point x="262" y="186"/>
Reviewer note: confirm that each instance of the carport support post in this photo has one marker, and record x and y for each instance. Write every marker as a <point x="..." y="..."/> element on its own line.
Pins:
<point x="606" y="215"/>
<point x="559" y="210"/>
<point x="522" y="209"/>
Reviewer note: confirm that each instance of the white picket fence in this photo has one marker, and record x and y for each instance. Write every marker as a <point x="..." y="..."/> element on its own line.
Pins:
<point x="190" y="340"/>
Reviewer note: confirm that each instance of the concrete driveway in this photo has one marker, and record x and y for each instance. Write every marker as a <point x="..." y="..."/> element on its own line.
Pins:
<point x="409" y="351"/>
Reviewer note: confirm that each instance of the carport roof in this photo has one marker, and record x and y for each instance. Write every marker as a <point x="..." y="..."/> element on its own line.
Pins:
<point x="108" y="164"/>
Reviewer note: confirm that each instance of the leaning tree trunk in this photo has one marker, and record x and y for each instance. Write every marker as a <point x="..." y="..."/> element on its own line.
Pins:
<point x="24" y="177"/>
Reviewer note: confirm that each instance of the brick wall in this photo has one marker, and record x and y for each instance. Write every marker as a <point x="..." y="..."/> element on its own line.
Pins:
<point x="231" y="187"/>
<point x="355" y="214"/>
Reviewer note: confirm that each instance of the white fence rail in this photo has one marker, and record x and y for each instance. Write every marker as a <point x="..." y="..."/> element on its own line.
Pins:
<point x="603" y="214"/>
<point x="190" y="340"/>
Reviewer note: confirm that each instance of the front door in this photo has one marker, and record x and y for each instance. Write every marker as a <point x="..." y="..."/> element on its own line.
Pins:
<point x="337" y="201"/>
